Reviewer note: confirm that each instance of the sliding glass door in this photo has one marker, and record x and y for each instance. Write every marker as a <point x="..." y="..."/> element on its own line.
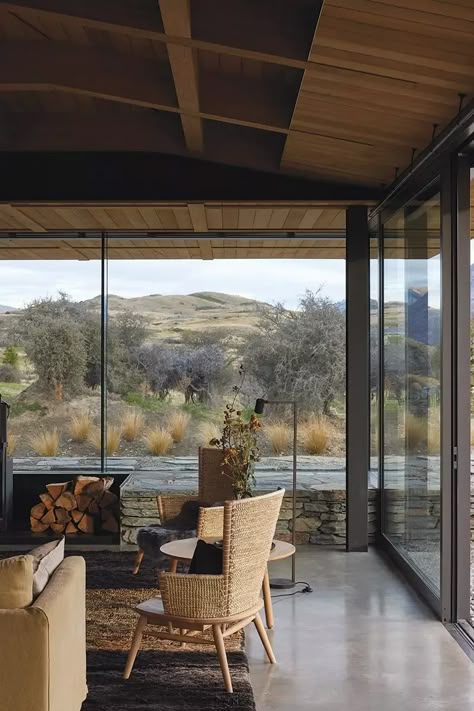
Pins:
<point x="411" y="385"/>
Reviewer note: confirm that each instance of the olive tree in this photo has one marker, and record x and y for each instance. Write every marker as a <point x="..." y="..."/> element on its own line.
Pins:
<point x="300" y="354"/>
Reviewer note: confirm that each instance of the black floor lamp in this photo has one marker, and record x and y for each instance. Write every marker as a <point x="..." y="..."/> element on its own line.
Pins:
<point x="285" y="583"/>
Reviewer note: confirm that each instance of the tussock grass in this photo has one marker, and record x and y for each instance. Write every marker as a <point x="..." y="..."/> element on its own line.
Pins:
<point x="177" y="424"/>
<point x="314" y="435"/>
<point x="158" y="441"/>
<point x="12" y="444"/>
<point x="80" y="427"/>
<point x="208" y="431"/>
<point x="46" y="443"/>
<point x="278" y="435"/>
<point x="415" y="432"/>
<point x="114" y="435"/>
<point x="132" y="424"/>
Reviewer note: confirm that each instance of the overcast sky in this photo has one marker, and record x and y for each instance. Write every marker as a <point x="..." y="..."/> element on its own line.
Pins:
<point x="265" y="280"/>
<point x="269" y="280"/>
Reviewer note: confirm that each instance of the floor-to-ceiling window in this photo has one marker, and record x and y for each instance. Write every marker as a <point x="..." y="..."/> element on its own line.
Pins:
<point x="411" y="387"/>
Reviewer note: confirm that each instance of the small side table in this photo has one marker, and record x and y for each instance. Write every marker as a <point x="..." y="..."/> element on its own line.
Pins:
<point x="184" y="550"/>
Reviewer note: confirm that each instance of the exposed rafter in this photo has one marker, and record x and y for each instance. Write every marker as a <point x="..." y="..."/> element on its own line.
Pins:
<point x="111" y="17"/>
<point x="176" y="15"/>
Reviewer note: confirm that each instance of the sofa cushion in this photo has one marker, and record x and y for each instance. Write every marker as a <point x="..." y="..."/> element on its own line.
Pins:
<point x="46" y="559"/>
<point x="16" y="582"/>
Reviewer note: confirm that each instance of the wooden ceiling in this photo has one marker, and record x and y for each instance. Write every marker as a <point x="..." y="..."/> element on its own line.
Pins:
<point x="347" y="90"/>
<point x="173" y="247"/>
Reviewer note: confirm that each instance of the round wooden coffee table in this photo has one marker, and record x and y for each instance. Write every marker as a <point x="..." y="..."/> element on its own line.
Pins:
<point x="184" y="550"/>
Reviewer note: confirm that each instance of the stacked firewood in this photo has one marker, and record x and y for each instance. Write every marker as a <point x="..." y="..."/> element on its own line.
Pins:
<point x="84" y="505"/>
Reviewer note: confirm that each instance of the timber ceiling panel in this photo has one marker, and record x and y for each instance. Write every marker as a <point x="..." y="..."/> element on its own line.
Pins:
<point x="168" y="248"/>
<point x="193" y="217"/>
<point x="349" y="90"/>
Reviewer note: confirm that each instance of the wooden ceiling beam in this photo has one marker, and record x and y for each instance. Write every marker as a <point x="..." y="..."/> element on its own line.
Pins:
<point x="42" y="66"/>
<point x="176" y="16"/>
<point x="116" y="19"/>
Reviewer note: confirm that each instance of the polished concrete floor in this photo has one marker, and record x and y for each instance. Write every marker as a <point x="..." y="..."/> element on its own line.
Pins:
<point x="362" y="641"/>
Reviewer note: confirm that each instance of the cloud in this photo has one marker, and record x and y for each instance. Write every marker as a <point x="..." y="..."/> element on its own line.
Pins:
<point x="263" y="279"/>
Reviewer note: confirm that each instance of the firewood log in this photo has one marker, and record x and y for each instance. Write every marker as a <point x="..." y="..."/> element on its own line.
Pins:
<point x="47" y="500"/>
<point x="49" y="517"/>
<point x="38" y="526"/>
<point x="93" y="507"/>
<point x="83" y="501"/>
<point x="71" y="528"/>
<point x="107" y="500"/>
<point x="109" y="522"/>
<point x="67" y="501"/>
<point x="86" y="523"/>
<point x="58" y="527"/>
<point x="62" y="516"/>
<point x="77" y="515"/>
<point x="38" y="511"/>
<point x="57" y="489"/>
<point x="82" y="482"/>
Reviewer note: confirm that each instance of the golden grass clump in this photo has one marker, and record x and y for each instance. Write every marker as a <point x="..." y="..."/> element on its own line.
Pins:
<point x="279" y="436"/>
<point x="207" y="432"/>
<point x="80" y="427"/>
<point x="114" y="434"/>
<point x="314" y="435"/>
<point x="132" y="424"/>
<point x="12" y="444"/>
<point x="415" y="432"/>
<point x="46" y="443"/>
<point x="158" y="441"/>
<point x="177" y="425"/>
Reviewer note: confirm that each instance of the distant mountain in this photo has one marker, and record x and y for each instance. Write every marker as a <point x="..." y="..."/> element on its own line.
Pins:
<point x="4" y="309"/>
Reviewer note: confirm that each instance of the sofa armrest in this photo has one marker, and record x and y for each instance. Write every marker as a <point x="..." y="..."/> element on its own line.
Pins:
<point x="63" y="604"/>
<point x="24" y="660"/>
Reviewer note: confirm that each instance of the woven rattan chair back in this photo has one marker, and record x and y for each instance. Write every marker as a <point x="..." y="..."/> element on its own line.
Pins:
<point x="214" y="486"/>
<point x="211" y="522"/>
<point x="249" y="527"/>
<point x="170" y="506"/>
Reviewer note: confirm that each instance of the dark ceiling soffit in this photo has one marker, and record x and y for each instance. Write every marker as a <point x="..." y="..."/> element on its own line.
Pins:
<point x="91" y="177"/>
<point x="424" y="169"/>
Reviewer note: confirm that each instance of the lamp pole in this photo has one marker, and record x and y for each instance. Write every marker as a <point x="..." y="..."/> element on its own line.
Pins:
<point x="285" y="583"/>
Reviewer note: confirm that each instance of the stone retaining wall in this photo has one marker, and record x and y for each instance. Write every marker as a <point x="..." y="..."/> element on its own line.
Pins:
<point x="321" y="516"/>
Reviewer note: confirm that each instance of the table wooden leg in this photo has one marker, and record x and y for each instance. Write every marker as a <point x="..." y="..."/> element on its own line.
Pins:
<point x="267" y="599"/>
<point x="173" y="565"/>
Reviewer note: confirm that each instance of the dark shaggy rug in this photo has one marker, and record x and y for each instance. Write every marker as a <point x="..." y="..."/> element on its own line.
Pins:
<point x="166" y="677"/>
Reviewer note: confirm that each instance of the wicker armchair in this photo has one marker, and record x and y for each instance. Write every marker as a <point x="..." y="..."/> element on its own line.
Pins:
<point x="226" y="603"/>
<point x="213" y="487"/>
<point x="211" y="522"/>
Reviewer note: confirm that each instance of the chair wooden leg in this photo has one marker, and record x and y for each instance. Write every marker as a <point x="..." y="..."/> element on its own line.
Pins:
<point x="173" y="565"/>
<point x="136" y="641"/>
<point x="221" y="653"/>
<point x="262" y="633"/>
<point x="138" y="561"/>
<point x="267" y="599"/>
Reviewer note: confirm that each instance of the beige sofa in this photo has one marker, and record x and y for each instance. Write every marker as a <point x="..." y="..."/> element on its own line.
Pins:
<point x="43" y="647"/>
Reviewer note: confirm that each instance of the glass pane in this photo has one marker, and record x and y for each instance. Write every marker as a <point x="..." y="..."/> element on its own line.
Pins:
<point x="374" y="362"/>
<point x="192" y="323"/>
<point x="50" y="362"/>
<point x="412" y="353"/>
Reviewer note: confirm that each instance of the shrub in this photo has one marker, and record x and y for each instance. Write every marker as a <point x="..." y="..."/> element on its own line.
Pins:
<point x="158" y="441"/>
<point x="314" y="435"/>
<point x="80" y="427"/>
<point x="9" y="374"/>
<point x="10" y="356"/>
<point x="132" y="424"/>
<point x="207" y="432"/>
<point x="45" y="443"/>
<point x="279" y="436"/>
<point x="113" y="436"/>
<point x="12" y="444"/>
<point x="177" y="425"/>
